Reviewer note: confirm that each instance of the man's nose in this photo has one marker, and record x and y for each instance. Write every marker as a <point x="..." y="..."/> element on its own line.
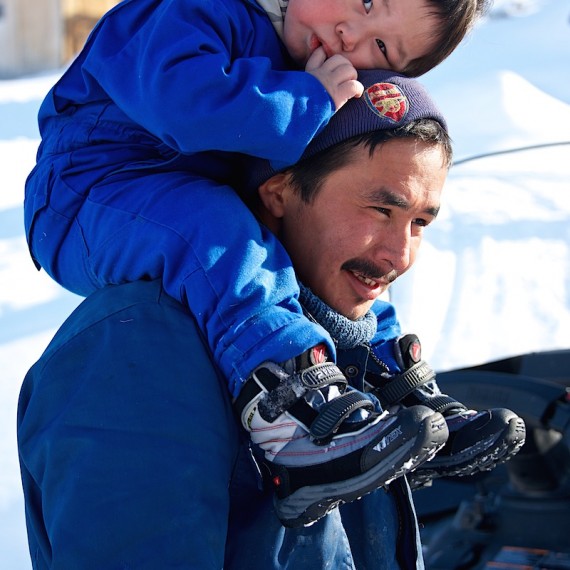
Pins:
<point x="396" y="249"/>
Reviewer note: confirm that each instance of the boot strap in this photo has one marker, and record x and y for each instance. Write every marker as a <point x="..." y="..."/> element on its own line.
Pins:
<point x="333" y="413"/>
<point x="405" y="383"/>
<point x="281" y="393"/>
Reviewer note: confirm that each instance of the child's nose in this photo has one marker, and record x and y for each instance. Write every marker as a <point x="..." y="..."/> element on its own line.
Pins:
<point x="347" y="36"/>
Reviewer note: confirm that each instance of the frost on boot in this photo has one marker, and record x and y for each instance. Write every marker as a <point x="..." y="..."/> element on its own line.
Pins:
<point x="324" y="442"/>
<point x="478" y="440"/>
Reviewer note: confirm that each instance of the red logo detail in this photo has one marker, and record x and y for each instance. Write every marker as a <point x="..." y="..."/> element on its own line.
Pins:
<point x="386" y="100"/>
<point x="318" y="354"/>
<point x="277" y="481"/>
<point x="416" y="351"/>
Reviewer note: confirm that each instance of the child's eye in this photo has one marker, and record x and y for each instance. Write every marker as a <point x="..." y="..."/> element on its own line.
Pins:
<point x="381" y="46"/>
<point x="367" y="5"/>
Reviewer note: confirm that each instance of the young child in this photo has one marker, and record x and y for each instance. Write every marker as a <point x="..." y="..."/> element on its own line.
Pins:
<point x="143" y="134"/>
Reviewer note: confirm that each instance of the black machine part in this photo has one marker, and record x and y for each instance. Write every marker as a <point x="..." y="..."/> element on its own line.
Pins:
<point x="525" y="503"/>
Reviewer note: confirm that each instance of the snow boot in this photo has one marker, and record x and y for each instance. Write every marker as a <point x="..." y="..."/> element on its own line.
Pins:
<point x="478" y="440"/>
<point x="326" y="443"/>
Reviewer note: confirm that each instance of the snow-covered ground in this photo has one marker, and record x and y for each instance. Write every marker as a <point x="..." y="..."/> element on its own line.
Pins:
<point x="493" y="279"/>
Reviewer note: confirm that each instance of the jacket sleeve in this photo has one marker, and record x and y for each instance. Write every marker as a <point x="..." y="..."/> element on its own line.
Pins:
<point x="190" y="76"/>
<point x="205" y="245"/>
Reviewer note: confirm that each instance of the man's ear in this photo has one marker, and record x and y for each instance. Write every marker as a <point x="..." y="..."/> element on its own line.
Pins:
<point x="273" y="194"/>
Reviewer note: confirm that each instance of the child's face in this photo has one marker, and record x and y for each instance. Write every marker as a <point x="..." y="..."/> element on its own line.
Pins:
<point x="372" y="34"/>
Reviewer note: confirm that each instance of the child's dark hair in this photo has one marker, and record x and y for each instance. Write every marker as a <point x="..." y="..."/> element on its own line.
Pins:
<point x="308" y="175"/>
<point x="457" y="18"/>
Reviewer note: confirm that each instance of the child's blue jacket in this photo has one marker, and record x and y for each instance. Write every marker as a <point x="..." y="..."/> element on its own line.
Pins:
<point x="140" y="138"/>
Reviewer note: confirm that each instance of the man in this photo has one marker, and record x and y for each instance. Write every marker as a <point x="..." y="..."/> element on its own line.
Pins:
<point x="130" y="451"/>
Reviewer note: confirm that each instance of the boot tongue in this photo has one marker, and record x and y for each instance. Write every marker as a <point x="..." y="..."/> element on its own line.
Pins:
<point x="315" y="355"/>
<point x="318" y="354"/>
<point x="408" y="351"/>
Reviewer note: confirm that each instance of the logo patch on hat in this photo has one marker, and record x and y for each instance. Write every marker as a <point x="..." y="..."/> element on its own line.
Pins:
<point x="386" y="100"/>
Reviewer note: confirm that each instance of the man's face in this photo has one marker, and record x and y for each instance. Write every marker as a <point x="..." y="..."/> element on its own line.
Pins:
<point x="372" y="34"/>
<point x="365" y="224"/>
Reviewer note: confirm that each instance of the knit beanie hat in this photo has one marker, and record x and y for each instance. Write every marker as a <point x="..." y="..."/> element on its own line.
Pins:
<point x="390" y="101"/>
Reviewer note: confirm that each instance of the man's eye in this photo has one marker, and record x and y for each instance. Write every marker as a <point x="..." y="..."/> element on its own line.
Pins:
<point x="381" y="46"/>
<point x="367" y="5"/>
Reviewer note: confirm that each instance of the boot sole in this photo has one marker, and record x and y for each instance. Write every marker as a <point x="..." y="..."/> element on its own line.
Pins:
<point x="308" y="504"/>
<point x="484" y="456"/>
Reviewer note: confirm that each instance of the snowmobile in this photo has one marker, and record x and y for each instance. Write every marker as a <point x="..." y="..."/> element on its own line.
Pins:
<point x="518" y="515"/>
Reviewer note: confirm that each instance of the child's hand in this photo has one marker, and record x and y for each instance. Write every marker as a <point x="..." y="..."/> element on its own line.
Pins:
<point x="337" y="74"/>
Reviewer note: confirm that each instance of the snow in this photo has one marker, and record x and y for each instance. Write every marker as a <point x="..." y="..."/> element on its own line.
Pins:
<point x="493" y="278"/>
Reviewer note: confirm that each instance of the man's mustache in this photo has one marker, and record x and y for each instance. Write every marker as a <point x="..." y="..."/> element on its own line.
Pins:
<point x="370" y="270"/>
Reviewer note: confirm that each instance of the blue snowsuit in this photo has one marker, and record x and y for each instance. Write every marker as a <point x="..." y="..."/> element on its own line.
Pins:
<point x="141" y="138"/>
<point x="131" y="456"/>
